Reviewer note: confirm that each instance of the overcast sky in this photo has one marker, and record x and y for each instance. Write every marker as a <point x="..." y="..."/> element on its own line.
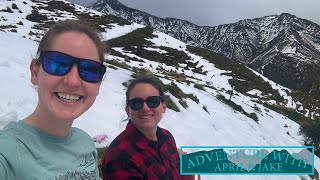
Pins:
<point x="216" y="12"/>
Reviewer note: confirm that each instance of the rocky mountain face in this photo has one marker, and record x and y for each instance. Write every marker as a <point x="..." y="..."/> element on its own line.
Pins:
<point x="284" y="48"/>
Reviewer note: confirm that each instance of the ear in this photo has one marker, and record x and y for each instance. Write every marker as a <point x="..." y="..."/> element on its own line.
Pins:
<point x="164" y="106"/>
<point x="34" y="70"/>
<point x="99" y="84"/>
<point x="127" y="111"/>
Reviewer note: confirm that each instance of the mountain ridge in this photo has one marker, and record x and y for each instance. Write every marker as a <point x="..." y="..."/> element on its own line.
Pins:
<point x="248" y="41"/>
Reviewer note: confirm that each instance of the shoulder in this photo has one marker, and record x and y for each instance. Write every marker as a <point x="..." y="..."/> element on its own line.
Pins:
<point x="8" y="139"/>
<point x="166" y="133"/>
<point x="82" y="139"/>
<point x="7" y="142"/>
<point x="119" y="149"/>
<point x="79" y="132"/>
<point x="9" y="153"/>
<point x="10" y="128"/>
<point x="120" y="142"/>
<point x="81" y="135"/>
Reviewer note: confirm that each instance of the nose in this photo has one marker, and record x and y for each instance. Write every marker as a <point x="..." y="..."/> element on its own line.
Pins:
<point x="145" y="107"/>
<point x="72" y="79"/>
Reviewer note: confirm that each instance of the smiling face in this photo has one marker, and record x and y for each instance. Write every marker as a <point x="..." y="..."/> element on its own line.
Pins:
<point x="66" y="97"/>
<point x="145" y="119"/>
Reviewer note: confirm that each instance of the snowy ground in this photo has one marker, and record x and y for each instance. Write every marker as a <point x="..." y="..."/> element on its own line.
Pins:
<point x="193" y="126"/>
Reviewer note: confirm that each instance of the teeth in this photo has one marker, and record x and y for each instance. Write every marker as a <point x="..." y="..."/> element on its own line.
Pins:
<point x="146" y="117"/>
<point x="68" y="97"/>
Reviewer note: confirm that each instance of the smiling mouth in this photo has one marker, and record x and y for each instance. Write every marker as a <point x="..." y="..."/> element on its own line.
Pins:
<point x="146" y="117"/>
<point x="69" y="98"/>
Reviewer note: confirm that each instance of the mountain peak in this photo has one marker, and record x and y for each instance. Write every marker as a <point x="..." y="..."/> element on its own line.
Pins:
<point x="287" y="15"/>
<point x="115" y="2"/>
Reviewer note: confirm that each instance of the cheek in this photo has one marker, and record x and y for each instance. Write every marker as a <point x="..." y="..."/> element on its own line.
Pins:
<point x="159" y="113"/>
<point x="133" y="114"/>
<point x="46" y="81"/>
<point x="92" y="89"/>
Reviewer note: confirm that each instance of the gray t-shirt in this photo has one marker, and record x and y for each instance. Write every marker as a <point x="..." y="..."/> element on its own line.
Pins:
<point x="28" y="153"/>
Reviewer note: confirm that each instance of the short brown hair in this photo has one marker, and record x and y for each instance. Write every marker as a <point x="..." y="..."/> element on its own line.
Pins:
<point x="76" y="26"/>
<point x="144" y="80"/>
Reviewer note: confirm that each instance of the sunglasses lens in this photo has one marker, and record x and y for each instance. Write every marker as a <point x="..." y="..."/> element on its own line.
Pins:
<point x="91" y="71"/>
<point x="60" y="64"/>
<point x="153" y="101"/>
<point x="135" y="104"/>
<point x="56" y="64"/>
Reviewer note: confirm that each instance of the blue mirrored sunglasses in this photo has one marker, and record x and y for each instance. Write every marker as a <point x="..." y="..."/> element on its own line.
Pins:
<point x="60" y="64"/>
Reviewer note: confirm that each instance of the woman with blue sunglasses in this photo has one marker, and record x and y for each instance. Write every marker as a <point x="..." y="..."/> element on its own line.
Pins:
<point x="67" y="72"/>
<point x="143" y="150"/>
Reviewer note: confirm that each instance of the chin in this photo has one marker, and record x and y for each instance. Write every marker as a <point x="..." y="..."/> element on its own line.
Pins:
<point x="149" y="125"/>
<point x="68" y="117"/>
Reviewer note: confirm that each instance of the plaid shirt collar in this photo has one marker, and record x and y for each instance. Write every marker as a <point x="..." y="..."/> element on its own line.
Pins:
<point x="134" y="135"/>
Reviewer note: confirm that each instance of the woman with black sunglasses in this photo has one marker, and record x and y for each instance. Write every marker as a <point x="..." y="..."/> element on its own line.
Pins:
<point x="67" y="72"/>
<point x="143" y="150"/>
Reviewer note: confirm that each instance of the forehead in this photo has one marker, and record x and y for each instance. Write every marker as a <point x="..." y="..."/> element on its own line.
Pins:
<point x="74" y="43"/>
<point x="143" y="90"/>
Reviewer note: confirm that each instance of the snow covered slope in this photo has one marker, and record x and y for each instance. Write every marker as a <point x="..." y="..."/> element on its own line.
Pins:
<point x="208" y="119"/>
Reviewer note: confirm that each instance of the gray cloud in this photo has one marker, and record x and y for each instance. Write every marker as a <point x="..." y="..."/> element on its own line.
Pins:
<point x="216" y="12"/>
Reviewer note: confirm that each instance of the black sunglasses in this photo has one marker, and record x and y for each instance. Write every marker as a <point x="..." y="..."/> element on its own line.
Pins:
<point x="60" y="64"/>
<point x="137" y="103"/>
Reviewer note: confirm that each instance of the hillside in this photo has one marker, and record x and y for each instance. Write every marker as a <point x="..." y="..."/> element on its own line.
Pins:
<point x="284" y="48"/>
<point x="198" y="84"/>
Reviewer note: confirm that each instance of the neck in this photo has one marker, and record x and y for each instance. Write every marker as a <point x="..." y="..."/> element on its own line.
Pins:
<point x="56" y="127"/>
<point x="151" y="134"/>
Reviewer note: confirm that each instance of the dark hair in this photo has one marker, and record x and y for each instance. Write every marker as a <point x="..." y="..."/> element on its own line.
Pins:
<point x="145" y="80"/>
<point x="72" y="26"/>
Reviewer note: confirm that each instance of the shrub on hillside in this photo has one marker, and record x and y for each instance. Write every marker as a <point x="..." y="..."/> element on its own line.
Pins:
<point x="116" y="53"/>
<point x="179" y="77"/>
<point x="311" y="133"/>
<point x="171" y="104"/>
<point x="59" y="5"/>
<point x="237" y="108"/>
<point x="118" y="64"/>
<point x="308" y="128"/>
<point x="20" y="23"/>
<point x="171" y="58"/>
<point x="101" y="153"/>
<point x="200" y="71"/>
<point x="193" y="97"/>
<point x="253" y="116"/>
<point x="35" y="16"/>
<point x="135" y="38"/>
<point x="199" y="86"/>
<point x="7" y="26"/>
<point x="205" y="109"/>
<point x="103" y="21"/>
<point x="183" y="103"/>
<point x="309" y="101"/>
<point x="175" y="90"/>
<point x="8" y="10"/>
<point x="14" y="6"/>
<point x="288" y="112"/>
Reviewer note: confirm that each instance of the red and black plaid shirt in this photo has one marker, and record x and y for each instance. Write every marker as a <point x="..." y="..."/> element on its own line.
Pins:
<point x="132" y="156"/>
